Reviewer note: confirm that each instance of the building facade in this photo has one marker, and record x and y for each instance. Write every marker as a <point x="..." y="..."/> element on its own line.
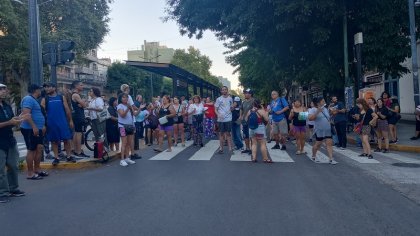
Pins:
<point x="152" y="52"/>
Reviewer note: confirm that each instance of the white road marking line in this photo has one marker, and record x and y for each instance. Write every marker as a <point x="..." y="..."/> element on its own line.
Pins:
<point x="205" y="153"/>
<point x="278" y="155"/>
<point x="166" y="156"/>
<point x="355" y="156"/>
<point x="238" y="156"/>
<point x="400" y="158"/>
<point x="320" y="157"/>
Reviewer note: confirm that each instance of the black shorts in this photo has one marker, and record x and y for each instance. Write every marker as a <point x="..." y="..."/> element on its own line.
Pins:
<point x="79" y="126"/>
<point x="311" y="126"/>
<point x="32" y="141"/>
<point x="225" y="127"/>
<point x="322" y="138"/>
<point x="179" y="120"/>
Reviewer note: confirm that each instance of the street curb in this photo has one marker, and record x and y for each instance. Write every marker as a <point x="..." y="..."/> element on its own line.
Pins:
<point x="393" y="147"/>
<point x="82" y="164"/>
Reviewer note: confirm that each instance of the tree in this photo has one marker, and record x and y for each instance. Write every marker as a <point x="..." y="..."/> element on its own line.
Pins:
<point x="83" y="21"/>
<point x="281" y="40"/>
<point x="193" y="61"/>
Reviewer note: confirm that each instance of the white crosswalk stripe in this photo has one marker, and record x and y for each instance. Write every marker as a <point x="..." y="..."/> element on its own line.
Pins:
<point x="355" y="156"/>
<point x="278" y="155"/>
<point x="320" y="156"/>
<point x="400" y="158"/>
<point x="238" y="156"/>
<point x="206" y="153"/>
<point x="166" y="156"/>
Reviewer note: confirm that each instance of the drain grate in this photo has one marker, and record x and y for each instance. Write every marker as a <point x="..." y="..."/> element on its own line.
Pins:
<point x="408" y="165"/>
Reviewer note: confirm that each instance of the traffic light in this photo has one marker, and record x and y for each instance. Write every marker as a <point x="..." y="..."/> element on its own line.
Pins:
<point x="64" y="51"/>
<point x="49" y="53"/>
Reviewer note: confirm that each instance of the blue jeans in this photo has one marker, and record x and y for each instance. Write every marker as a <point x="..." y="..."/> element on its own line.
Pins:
<point x="236" y="135"/>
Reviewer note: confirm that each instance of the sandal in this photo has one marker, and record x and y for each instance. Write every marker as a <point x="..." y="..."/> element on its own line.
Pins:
<point x="43" y="174"/>
<point x="157" y="149"/>
<point x="254" y="160"/>
<point x="268" y="161"/>
<point x="34" y="177"/>
<point x="220" y="151"/>
<point x="363" y="155"/>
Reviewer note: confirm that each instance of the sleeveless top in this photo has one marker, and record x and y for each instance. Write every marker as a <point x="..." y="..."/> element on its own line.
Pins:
<point x="56" y="115"/>
<point x="78" y="113"/>
<point x="296" y="121"/>
<point x="164" y="112"/>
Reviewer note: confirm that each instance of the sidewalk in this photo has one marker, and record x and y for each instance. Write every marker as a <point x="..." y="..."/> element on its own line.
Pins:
<point x="405" y="130"/>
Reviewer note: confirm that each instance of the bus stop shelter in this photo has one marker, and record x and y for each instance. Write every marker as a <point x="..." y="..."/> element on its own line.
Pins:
<point x="181" y="79"/>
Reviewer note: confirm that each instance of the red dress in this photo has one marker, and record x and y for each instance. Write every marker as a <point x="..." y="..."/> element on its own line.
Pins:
<point x="210" y="112"/>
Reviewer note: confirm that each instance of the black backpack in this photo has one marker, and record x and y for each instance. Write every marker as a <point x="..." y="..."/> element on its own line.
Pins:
<point x="153" y="120"/>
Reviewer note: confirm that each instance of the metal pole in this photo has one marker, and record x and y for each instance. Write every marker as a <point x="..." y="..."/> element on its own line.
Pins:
<point x="358" y="41"/>
<point x="34" y="43"/>
<point x="413" y="42"/>
<point x="346" y="50"/>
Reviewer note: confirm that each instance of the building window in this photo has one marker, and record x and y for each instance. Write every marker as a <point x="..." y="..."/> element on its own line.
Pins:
<point x="391" y="86"/>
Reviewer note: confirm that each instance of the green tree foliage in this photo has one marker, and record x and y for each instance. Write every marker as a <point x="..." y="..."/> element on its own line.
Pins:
<point x="275" y="42"/>
<point x="83" y="21"/>
<point x="193" y="61"/>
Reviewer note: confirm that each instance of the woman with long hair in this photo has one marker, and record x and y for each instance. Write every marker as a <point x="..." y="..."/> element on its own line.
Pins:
<point x="196" y="110"/>
<point x="258" y="135"/>
<point x="167" y="112"/>
<point x="210" y="115"/>
<point x="323" y="132"/>
<point x="96" y="105"/>
<point x="393" y="119"/>
<point x="127" y="129"/>
<point x="298" y="118"/>
<point x="112" y="132"/>
<point x="367" y="117"/>
<point x="382" y="126"/>
<point x="179" y="121"/>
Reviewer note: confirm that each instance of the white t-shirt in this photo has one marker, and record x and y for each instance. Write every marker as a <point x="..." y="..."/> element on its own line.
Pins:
<point x="130" y="100"/>
<point x="97" y="103"/>
<point x="223" y="106"/>
<point x="199" y="109"/>
<point x="128" y="119"/>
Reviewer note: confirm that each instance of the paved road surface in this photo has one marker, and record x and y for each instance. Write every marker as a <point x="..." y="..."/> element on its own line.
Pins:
<point x="196" y="192"/>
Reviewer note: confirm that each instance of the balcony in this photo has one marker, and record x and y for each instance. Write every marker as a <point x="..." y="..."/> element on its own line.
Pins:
<point x="84" y="70"/>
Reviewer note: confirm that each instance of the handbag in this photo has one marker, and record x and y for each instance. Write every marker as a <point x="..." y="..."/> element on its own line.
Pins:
<point x="358" y="128"/>
<point x="102" y="115"/>
<point x="163" y="120"/>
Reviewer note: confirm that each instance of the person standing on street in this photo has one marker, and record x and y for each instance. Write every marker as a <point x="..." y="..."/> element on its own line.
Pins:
<point x="417" y="134"/>
<point x="166" y="110"/>
<point x="78" y="116"/>
<point x="278" y="108"/>
<point x="223" y="108"/>
<point x="210" y="115"/>
<point x="59" y="122"/>
<point x="127" y="129"/>
<point x="9" y="184"/>
<point x="112" y="132"/>
<point x="338" y="110"/>
<point x="96" y="106"/>
<point x="236" y="124"/>
<point x="246" y="106"/>
<point x="179" y="133"/>
<point x="196" y="110"/>
<point x="298" y="119"/>
<point x="382" y="126"/>
<point x="33" y="130"/>
<point x="366" y="117"/>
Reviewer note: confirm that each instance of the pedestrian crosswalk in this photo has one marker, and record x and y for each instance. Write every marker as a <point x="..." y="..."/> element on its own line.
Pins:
<point x="210" y="151"/>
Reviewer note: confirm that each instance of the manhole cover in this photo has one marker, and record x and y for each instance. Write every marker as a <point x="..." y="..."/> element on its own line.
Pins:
<point x="408" y="165"/>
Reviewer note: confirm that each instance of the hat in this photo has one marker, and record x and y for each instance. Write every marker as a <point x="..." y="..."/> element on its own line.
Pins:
<point x="237" y="99"/>
<point x="3" y="86"/>
<point x="49" y="84"/>
<point x="248" y="90"/>
<point x="33" y="87"/>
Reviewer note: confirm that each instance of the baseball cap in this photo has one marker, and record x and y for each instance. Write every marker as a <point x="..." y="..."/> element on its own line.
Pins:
<point x="49" y="84"/>
<point x="3" y="86"/>
<point x="237" y="99"/>
<point x="33" y="87"/>
<point x="248" y="90"/>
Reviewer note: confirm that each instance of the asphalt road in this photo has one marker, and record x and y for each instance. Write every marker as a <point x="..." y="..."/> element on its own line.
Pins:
<point x="214" y="197"/>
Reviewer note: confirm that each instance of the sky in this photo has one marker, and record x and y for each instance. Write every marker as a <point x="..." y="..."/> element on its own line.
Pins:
<point x="133" y="21"/>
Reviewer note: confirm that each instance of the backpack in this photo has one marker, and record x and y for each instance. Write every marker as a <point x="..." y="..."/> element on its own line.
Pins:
<point x="253" y="120"/>
<point x="153" y="120"/>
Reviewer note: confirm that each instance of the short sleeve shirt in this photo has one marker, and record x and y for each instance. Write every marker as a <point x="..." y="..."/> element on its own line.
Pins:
<point x="97" y="103"/>
<point x="199" y="109"/>
<point x="322" y="123"/>
<point x="247" y="106"/>
<point x="278" y="105"/>
<point x="127" y="120"/>
<point x="339" y="117"/>
<point x="36" y="113"/>
<point x="223" y="105"/>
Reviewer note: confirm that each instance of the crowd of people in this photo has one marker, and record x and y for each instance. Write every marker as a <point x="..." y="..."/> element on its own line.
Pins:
<point x="50" y="117"/>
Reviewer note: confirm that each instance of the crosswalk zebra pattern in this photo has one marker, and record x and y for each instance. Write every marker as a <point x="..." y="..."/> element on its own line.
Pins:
<point x="210" y="151"/>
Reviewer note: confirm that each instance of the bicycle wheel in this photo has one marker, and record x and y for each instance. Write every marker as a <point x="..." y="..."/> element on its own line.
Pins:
<point x="90" y="139"/>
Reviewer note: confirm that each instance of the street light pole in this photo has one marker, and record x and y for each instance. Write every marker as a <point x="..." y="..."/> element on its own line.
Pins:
<point x="34" y="43"/>
<point x="413" y="42"/>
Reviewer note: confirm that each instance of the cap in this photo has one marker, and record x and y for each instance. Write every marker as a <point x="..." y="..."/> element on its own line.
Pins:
<point x="33" y="87"/>
<point x="237" y="99"/>
<point x="3" y="86"/>
<point x="248" y="90"/>
<point x="49" y="84"/>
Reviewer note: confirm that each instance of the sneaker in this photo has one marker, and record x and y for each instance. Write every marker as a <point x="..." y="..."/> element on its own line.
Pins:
<point x="377" y="150"/>
<point x="135" y="156"/>
<point x="55" y="162"/>
<point x="82" y="154"/>
<point x="49" y="156"/>
<point x="246" y="151"/>
<point x="62" y="155"/>
<point x="269" y="141"/>
<point x="4" y="199"/>
<point x="298" y="153"/>
<point x="314" y="159"/>
<point x="71" y="159"/>
<point x="342" y="148"/>
<point x="333" y="162"/>
<point x="17" y="193"/>
<point x="276" y="147"/>
<point x="392" y="141"/>
<point x="123" y="163"/>
<point x="414" y="138"/>
<point x="283" y="147"/>
<point x="370" y="156"/>
<point x="385" y="151"/>
<point x="129" y="161"/>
